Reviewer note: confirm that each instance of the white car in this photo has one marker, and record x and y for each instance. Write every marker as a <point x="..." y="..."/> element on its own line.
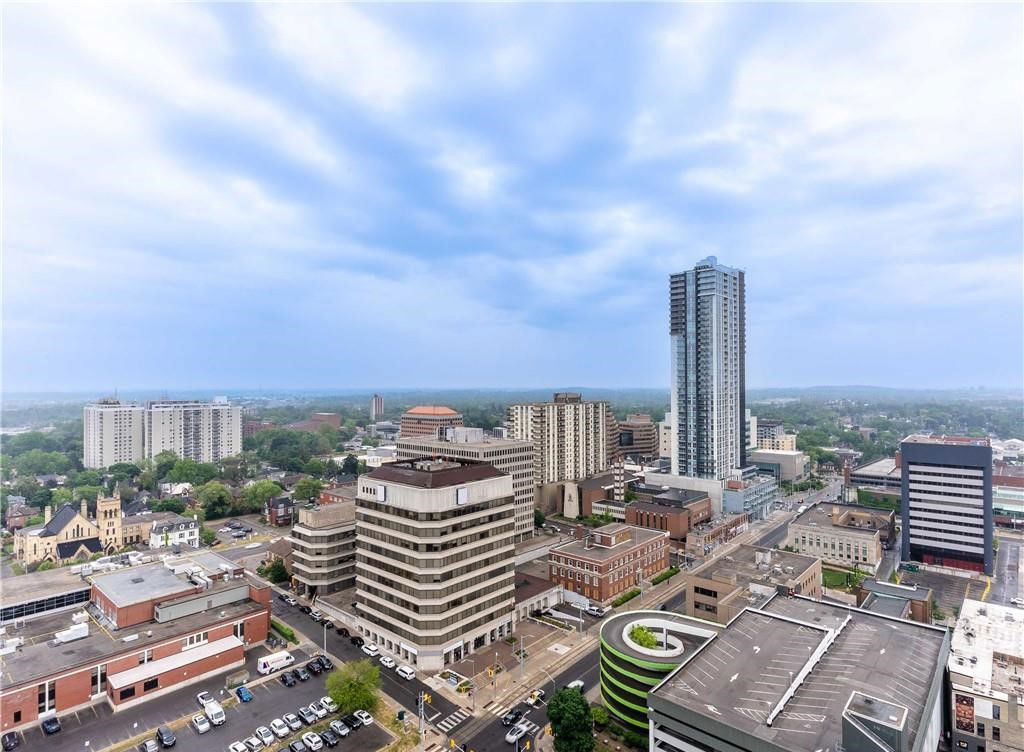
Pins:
<point x="291" y="601"/>
<point x="237" y="747"/>
<point x="292" y="721"/>
<point x="312" y="741"/>
<point x="363" y="716"/>
<point x="387" y="661"/>
<point x="200" y="723"/>
<point x="204" y="699"/>
<point x="515" y="733"/>
<point x="329" y="705"/>
<point x="370" y="649"/>
<point x="406" y="672"/>
<point x="265" y="735"/>
<point x="1017" y="601"/>
<point x="318" y="710"/>
<point x="280" y="728"/>
<point x="252" y="744"/>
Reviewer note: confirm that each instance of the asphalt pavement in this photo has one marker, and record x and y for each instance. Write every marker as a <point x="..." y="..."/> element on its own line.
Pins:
<point x="1006" y="582"/>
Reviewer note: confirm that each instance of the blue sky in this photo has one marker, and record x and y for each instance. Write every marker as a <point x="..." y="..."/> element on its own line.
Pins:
<point x="494" y="195"/>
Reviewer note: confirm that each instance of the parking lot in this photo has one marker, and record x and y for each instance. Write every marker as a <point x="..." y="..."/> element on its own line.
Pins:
<point x="249" y="525"/>
<point x="948" y="590"/>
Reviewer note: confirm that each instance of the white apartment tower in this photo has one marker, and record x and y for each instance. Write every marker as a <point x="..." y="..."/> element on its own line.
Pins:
<point x="376" y="407"/>
<point x="515" y="458"/>
<point x="435" y="559"/>
<point x="112" y="432"/>
<point x="708" y="329"/>
<point x="572" y="438"/>
<point x="200" y="431"/>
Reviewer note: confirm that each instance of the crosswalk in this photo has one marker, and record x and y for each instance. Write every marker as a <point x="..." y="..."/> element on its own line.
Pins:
<point x="531" y="727"/>
<point x="454" y="719"/>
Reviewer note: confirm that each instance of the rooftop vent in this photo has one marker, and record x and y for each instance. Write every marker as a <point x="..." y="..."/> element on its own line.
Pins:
<point x="138" y="580"/>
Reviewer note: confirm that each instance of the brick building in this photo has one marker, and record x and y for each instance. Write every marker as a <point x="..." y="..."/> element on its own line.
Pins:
<point x="675" y="510"/>
<point x="280" y="511"/>
<point x="144" y="632"/>
<point x="429" y="420"/>
<point x="602" y="563"/>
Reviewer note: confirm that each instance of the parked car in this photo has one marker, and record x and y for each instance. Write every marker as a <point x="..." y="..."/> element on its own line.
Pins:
<point x="200" y="723"/>
<point x="317" y="709"/>
<point x="312" y="741"/>
<point x="11" y="741"/>
<point x="280" y="728"/>
<point x="329" y="738"/>
<point x="340" y="729"/>
<point x="291" y="601"/>
<point x="595" y="611"/>
<point x="370" y="649"/>
<point x="387" y="661"/>
<point x="342" y="632"/>
<point x="204" y="699"/>
<point x="282" y="597"/>
<point x="234" y="524"/>
<point x="535" y="698"/>
<point x="356" y="640"/>
<point x="1017" y="601"/>
<point x="351" y="721"/>
<point x="237" y="747"/>
<point x="316" y="615"/>
<point x="328" y="624"/>
<point x="244" y="694"/>
<point x="292" y="721"/>
<point x="149" y="745"/>
<point x="308" y="716"/>
<point x="512" y="717"/>
<point x="252" y="744"/>
<point x="288" y="679"/>
<point x="515" y="733"/>
<point x="329" y="705"/>
<point x="165" y="736"/>
<point x="297" y="746"/>
<point x="301" y="674"/>
<point x="314" y="667"/>
<point x="325" y="663"/>
<point x="406" y="672"/>
<point x="238" y="534"/>
<point x="265" y="735"/>
<point x="246" y="529"/>
<point x="365" y="718"/>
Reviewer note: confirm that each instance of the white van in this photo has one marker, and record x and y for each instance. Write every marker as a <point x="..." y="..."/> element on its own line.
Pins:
<point x="268" y="664"/>
<point x="215" y="713"/>
<point x="406" y="672"/>
<point x="577" y="685"/>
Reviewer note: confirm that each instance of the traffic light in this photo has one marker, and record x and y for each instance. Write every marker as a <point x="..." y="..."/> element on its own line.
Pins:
<point x="451" y="744"/>
<point x="427" y="698"/>
<point x="527" y="745"/>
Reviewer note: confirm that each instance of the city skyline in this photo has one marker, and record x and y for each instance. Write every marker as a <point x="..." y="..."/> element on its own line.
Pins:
<point x="238" y="191"/>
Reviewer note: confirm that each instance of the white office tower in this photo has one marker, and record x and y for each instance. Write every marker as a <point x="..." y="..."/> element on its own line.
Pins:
<point x="112" y="433"/>
<point x="708" y="330"/>
<point x="376" y="407"/>
<point x="200" y="431"/>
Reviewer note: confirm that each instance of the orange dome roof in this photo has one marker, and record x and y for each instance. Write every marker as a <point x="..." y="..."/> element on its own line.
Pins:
<point x="431" y="410"/>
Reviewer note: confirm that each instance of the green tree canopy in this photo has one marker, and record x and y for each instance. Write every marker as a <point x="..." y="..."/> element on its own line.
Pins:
<point x="571" y="722"/>
<point x="275" y="571"/>
<point x="86" y="478"/>
<point x="190" y="471"/>
<point x="256" y="496"/>
<point x="60" y="496"/>
<point x="89" y="493"/>
<point x="538" y="518"/>
<point x="354" y="686"/>
<point x="37" y="462"/>
<point x="307" y="489"/>
<point x="207" y="536"/>
<point x="314" y="467"/>
<point x="216" y="500"/>
<point x="351" y="465"/>
<point x="163" y="462"/>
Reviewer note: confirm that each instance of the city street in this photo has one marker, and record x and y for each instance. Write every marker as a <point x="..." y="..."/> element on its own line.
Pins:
<point x="1006" y="582"/>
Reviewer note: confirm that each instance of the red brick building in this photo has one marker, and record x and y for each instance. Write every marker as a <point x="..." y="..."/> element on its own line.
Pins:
<point x="280" y="511"/>
<point x="607" y="561"/>
<point x="146" y="630"/>
<point x="429" y="420"/>
<point x="677" y="511"/>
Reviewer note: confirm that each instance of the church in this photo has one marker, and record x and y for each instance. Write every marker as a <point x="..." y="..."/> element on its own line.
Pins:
<point x="69" y="535"/>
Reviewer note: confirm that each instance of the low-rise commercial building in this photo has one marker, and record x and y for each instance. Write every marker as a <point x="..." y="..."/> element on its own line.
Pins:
<point x="884" y="473"/>
<point x="789" y="466"/>
<point x="986" y="666"/>
<point x="750" y="493"/>
<point x="435" y="559"/>
<point x="143" y="632"/>
<point x="604" y="562"/>
<point x="785" y="442"/>
<point x="675" y="511"/>
<point x="747" y="577"/>
<point x="901" y="601"/>
<point x="843" y="534"/>
<point x="323" y="544"/>
<point x="707" y="536"/>
<point x="799" y="675"/>
<point x="428" y="420"/>
<point x="534" y="594"/>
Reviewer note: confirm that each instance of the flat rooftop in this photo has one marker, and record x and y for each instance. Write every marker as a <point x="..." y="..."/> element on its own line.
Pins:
<point x="926" y="438"/>
<point x="748" y="564"/>
<point x="739" y="677"/>
<point x="37" y="585"/>
<point x="691" y="631"/>
<point x="986" y="635"/>
<point x="886" y="604"/>
<point x="487" y="442"/>
<point x="600" y="553"/>
<point x="894" y="590"/>
<point x="156" y="580"/>
<point x="529" y="586"/>
<point x="885" y="467"/>
<point x="40" y="656"/>
<point x="427" y="472"/>
<point x="826" y="515"/>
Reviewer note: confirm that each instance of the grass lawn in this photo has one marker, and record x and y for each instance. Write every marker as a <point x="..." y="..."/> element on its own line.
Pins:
<point x="834" y="579"/>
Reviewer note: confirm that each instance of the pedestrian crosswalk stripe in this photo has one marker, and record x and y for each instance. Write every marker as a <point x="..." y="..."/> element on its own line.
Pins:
<point x="453" y="719"/>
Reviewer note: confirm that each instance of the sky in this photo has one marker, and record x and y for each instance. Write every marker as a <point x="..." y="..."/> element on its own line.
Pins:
<point x="494" y="195"/>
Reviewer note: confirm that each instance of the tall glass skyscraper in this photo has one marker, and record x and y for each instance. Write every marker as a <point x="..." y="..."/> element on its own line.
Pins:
<point x="708" y="327"/>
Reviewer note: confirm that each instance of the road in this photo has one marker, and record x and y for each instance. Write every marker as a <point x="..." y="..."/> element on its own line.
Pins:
<point x="1006" y="583"/>
<point x="777" y="536"/>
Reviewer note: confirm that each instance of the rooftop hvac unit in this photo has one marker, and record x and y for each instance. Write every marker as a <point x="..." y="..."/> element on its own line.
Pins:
<point x="76" y="632"/>
<point x="80" y="618"/>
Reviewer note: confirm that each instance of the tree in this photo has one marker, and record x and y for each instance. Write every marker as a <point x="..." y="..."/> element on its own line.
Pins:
<point x="216" y="500"/>
<point x="350" y="466"/>
<point x="643" y="637"/>
<point x="314" y="467"/>
<point x="538" y="518"/>
<point x="207" y="536"/>
<point x="571" y="721"/>
<point x="256" y="496"/>
<point x="170" y="505"/>
<point x="89" y="493"/>
<point x="60" y="496"/>
<point x="354" y="686"/>
<point x="163" y="463"/>
<point x="86" y="478"/>
<point x="307" y="489"/>
<point x="124" y="471"/>
<point x="38" y="462"/>
<point x="275" y="571"/>
<point x="190" y="471"/>
<point x="45" y="565"/>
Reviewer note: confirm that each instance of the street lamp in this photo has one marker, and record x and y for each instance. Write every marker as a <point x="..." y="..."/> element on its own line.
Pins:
<point x="325" y="638"/>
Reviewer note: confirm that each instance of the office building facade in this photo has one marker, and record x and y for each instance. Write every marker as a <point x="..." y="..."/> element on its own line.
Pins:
<point x="708" y="333"/>
<point x="435" y="559"/>
<point x="113" y="431"/>
<point x="376" y="407"/>
<point x="572" y="438"/>
<point x="429" y="420"/>
<point x="946" y="504"/>
<point x="324" y="548"/>
<point x="638" y="438"/>
<point x="510" y="456"/>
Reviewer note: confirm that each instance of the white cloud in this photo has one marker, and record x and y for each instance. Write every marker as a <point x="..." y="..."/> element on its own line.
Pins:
<point x="345" y="51"/>
<point x="474" y="174"/>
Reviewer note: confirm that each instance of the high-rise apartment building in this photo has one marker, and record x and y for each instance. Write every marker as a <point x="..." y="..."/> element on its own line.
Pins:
<point x="708" y="331"/>
<point x="376" y="407"/>
<point x="200" y="431"/>
<point x="572" y="438"/>
<point x="435" y="559"/>
<point x="429" y="420"/>
<point x="508" y="455"/>
<point x="638" y="437"/>
<point x="947" y="501"/>
<point x="113" y="432"/>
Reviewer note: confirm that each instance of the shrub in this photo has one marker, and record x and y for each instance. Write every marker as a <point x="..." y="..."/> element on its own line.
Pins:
<point x="635" y="740"/>
<point x="628" y="596"/>
<point x="600" y="715"/>
<point x="615" y="730"/>
<point x="671" y="571"/>
<point x="643" y="637"/>
<point x="285" y="631"/>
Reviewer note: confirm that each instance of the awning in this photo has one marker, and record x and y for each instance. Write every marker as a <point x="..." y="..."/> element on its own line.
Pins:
<point x="171" y="662"/>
